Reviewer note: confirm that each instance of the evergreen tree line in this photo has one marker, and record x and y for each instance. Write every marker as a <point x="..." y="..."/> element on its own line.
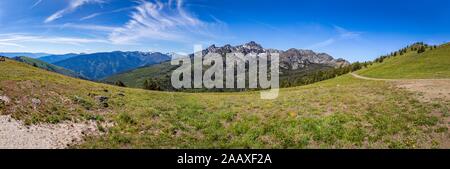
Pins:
<point x="162" y="84"/>
<point x="418" y="47"/>
<point x="322" y="75"/>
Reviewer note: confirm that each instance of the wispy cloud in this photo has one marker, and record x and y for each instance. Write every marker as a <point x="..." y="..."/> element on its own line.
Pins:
<point x="346" y="34"/>
<point x="17" y="39"/>
<point x="36" y="4"/>
<point x="149" y="21"/>
<point x="93" y="15"/>
<point x="73" y="5"/>
<point x="90" y="16"/>
<point x="341" y="34"/>
<point x="11" y="44"/>
<point x="322" y="44"/>
<point x="160" y="21"/>
<point x="91" y="27"/>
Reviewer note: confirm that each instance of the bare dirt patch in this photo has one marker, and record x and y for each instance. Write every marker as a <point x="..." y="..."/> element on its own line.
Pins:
<point x="430" y="89"/>
<point x="15" y="135"/>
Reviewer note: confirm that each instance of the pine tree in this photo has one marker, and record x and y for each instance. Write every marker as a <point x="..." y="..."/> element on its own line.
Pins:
<point x="120" y="83"/>
<point x="151" y="84"/>
<point x="421" y="49"/>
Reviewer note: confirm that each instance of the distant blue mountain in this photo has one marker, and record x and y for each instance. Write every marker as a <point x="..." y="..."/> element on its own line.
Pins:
<point x="99" y="65"/>
<point x="47" y="66"/>
<point x="57" y="58"/>
<point x="16" y="54"/>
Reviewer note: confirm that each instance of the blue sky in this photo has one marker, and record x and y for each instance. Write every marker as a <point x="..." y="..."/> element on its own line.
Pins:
<point x="352" y="29"/>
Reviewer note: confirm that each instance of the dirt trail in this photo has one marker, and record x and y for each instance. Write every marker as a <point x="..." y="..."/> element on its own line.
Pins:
<point x="15" y="135"/>
<point x="369" y="78"/>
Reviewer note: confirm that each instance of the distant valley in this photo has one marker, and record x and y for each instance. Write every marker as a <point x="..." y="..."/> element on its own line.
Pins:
<point x="100" y="65"/>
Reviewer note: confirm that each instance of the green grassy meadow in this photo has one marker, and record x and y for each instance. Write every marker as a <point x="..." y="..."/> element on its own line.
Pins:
<point x="432" y="64"/>
<point x="344" y="112"/>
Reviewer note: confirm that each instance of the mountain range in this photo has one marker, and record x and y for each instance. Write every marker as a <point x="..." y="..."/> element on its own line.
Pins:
<point x="291" y="59"/>
<point x="47" y="66"/>
<point x="134" y="68"/>
<point x="294" y="64"/>
<point x="57" y="58"/>
<point x="99" y="65"/>
<point x="27" y="54"/>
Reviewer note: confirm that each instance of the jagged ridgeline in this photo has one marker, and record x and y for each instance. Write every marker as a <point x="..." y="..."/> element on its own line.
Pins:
<point x="297" y="67"/>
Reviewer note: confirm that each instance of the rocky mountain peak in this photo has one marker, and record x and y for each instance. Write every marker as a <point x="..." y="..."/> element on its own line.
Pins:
<point x="213" y="46"/>
<point x="291" y="58"/>
<point x="253" y="45"/>
<point x="227" y="46"/>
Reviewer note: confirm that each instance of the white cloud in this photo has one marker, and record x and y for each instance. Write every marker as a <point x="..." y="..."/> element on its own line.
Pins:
<point x="346" y="34"/>
<point x="342" y="34"/>
<point x="103" y="13"/>
<point x="160" y="21"/>
<point x="17" y="39"/>
<point x="90" y="16"/>
<point x="36" y="4"/>
<point x="11" y="44"/>
<point x="73" y="5"/>
<point x="147" y="21"/>
<point x="86" y="27"/>
<point x="322" y="44"/>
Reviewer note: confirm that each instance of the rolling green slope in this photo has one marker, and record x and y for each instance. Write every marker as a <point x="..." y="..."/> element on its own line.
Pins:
<point x="433" y="63"/>
<point x="339" y="113"/>
<point x="47" y="66"/>
<point x="135" y="78"/>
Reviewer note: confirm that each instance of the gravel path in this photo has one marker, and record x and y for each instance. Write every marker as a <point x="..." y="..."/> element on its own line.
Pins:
<point x="15" y="135"/>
